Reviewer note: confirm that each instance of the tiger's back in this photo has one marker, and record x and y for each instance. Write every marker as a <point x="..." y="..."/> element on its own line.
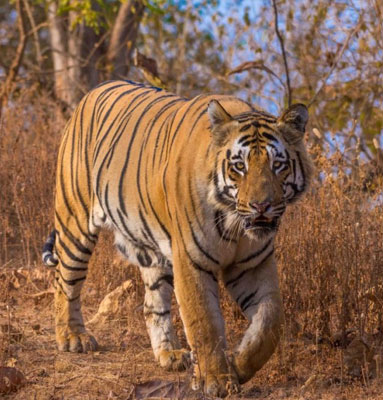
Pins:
<point x="112" y="135"/>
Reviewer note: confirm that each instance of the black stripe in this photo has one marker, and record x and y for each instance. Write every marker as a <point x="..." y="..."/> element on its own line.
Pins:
<point x="168" y="130"/>
<point x="120" y="128"/>
<point x="69" y="253"/>
<point x="132" y="139"/>
<point x="70" y="299"/>
<point x="155" y="151"/>
<point x="270" y="137"/>
<point x="108" y="209"/>
<point x="194" y="264"/>
<point x="85" y="153"/>
<point x="143" y="258"/>
<point x="153" y="120"/>
<point x="70" y="268"/>
<point x="197" y="243"/>
<point x="71" y="282"/>
<point x="158" y="313"/>
<point x="256" y="140"/>
<point x="251" y="304"/>
<point x="157" y="284"/>
<point x="247" y="300"/>
<point x="194" y="209"/>
<point x="126" y="229"/>
<point x="245" y="127"/>
<point x="115" y="101"/>
<point x="234" y="280"/>
<point x="147" y="229"/>
<point x="90" y="237"/>
<point x="185" y="114"/>
<point x="126" y="114"/>
<point x="76" y="243"/>
<point x="165" y="122"/>
<point x="257" y="253"/>
<point x="156" y="215"/>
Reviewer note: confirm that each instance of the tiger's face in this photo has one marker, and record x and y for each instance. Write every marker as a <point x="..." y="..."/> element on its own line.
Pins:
<point x="261" y="165"/>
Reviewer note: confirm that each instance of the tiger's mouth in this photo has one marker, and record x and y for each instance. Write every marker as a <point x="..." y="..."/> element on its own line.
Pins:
<point x="260" y="222"/>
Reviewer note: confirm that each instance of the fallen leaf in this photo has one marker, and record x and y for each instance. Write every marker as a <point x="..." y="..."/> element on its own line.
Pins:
<point x="11" y="362"/>
<point x="10" y="379"/>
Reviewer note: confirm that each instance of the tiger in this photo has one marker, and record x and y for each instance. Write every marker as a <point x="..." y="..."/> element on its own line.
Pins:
<point x="194" y="191"/>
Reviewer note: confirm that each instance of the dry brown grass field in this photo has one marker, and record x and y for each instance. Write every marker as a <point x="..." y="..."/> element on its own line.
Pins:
<point x="330" y="256"/>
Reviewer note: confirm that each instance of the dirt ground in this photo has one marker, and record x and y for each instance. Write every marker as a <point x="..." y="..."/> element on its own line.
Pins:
<point x="124" y="366"/>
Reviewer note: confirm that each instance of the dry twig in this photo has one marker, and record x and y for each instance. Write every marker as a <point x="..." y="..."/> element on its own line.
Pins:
<point x="335" y="63"/>
<point x="281" y="42"/>
<point x="14" y="68"/>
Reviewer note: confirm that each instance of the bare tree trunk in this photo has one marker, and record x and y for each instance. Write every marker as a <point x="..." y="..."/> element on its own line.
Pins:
<point x="14" y="68"/>
<point x="123" y="38"/>
<point x="82" y="74"/>
<point x="75" y="73"/>
<point x="59" y="54"/>
<point x="77" y="51"/>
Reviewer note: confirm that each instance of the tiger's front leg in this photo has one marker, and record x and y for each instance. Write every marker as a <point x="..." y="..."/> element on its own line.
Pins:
<point x="256" y="290"/>
<point x="196" y="291"/>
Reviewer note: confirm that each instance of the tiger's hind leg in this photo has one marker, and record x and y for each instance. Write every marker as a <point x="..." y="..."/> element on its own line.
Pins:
<point x="74" y="246"/>
<point x="158" y="282"/>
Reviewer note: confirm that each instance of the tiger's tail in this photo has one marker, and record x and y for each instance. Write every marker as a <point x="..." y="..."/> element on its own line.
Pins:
<point x="49" y="256"/>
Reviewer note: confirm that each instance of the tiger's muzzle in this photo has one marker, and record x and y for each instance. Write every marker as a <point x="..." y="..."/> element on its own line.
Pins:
<point x="258" y="220"/>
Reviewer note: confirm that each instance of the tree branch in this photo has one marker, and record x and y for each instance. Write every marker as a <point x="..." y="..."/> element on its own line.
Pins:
<point x="14" y="68"/>
<point x="34" y="32"/>
<point x="335" y="63"/>
<point x="246" y="66"/>
<point x="123" y="37"/>
<point x="280" y="38"/>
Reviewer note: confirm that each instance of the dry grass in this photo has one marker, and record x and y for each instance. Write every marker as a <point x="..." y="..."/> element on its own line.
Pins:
<point x="331" y="272"/>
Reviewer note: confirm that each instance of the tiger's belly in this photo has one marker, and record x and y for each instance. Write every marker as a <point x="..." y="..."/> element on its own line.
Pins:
<point x="136" y="239"/>
<point x="143" y="252"/>
<point x="142" y="244"/>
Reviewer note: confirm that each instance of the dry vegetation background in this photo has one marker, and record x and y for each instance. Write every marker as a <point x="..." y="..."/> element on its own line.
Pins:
<point x="331" y="271"/>
<point x="326" y="54"/>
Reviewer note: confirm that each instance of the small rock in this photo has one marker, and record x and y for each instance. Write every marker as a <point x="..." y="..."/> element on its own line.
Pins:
<point x="111" y="303"/>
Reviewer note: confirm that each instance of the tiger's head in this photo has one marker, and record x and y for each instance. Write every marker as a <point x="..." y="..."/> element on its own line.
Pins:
<point x="261" y="165"/>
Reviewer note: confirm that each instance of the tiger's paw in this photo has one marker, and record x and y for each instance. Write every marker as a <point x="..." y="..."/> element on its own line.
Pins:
<point x="217" y="385"/>
<point x="77" y="343"/>
<point x="175" y="360"/>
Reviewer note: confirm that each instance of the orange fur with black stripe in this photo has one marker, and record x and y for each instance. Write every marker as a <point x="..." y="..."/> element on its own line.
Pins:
<point x="194" y="191"/>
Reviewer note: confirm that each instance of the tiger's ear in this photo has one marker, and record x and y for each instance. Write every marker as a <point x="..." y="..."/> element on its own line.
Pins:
<point x="293" y="122"/>
<point x="217" y="114"/>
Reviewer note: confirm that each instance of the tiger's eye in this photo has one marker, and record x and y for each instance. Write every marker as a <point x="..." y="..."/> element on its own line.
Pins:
<point x="239" y="165"/>
<point x="277" y="164"/>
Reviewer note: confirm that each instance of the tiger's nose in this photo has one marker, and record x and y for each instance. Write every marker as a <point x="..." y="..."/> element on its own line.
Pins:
<point x="260" y="207"/>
